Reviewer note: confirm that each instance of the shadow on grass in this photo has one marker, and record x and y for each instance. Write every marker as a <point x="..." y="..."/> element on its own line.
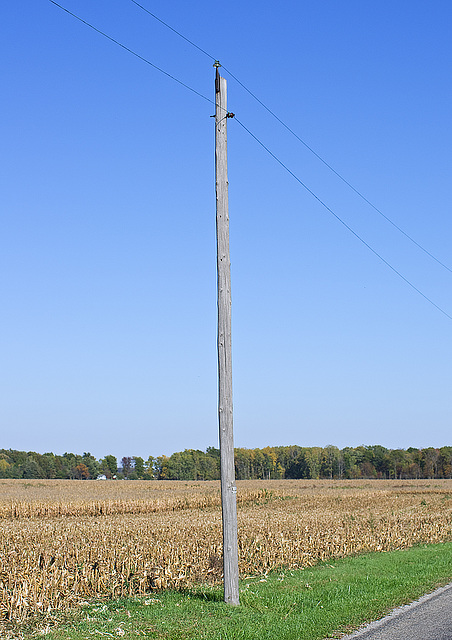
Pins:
<point x="208" y="595"/>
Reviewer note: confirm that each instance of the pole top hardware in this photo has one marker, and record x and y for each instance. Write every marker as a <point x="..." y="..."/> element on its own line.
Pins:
<point x="216" y="64"/>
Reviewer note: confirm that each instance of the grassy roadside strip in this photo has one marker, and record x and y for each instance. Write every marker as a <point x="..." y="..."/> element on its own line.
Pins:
<point x="309" y="604"/>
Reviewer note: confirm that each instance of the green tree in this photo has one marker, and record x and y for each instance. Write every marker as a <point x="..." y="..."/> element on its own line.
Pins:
<point x="350" y="458"/>
<point x="379" y="456"/>
<point x="161" y="467"/>
<point x="69" y="463"/>
<point x="4" y="467"/>
<point x="270" y="460"/>
<point x="329" y="462"/>
<point x="31" y="469"/>
<point x="299" y="467"/>
<point x="446" y="461"/>
<point x="109" y="466"/>
<point x="242" y="464"/>
<point x="48" y="465"/>
<point x="398" y="463"/>
<point x="279" y="471"/>
<point x="313" y="460"/>
<point x="213" y="452"/>
<point x="138" y="466"/>
<point x="92" y="465"/>
<point x="149" y="468"/>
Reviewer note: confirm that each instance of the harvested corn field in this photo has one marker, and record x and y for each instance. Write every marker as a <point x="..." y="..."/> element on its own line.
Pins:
<point x="63" y="542"/>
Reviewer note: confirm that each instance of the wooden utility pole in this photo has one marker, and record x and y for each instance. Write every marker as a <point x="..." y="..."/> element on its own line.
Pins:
<point x="228" y="486"/>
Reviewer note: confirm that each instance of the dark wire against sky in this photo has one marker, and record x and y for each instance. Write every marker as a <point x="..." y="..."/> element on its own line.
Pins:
<point x="280" y="162"/>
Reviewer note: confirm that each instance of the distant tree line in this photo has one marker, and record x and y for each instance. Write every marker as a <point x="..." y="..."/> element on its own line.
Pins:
<point x="269" y="463"/>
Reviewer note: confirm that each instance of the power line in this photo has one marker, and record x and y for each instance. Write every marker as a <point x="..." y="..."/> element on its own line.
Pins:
<point x="168" y="26"/>
<point x="305" y="144"/>
<point x="339" y="219"/>
<point x="264" y="147"/>
<point x="344" y="180"/>
<point x="137" y="55"/>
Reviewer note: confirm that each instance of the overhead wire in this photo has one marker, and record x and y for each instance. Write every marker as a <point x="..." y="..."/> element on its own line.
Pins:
<point x="292" y="132"/>
<point x="344" y="180"/>
<point x="168" y="26"/>
<point x="338" y="218"/>
<point x="134" y="53"/>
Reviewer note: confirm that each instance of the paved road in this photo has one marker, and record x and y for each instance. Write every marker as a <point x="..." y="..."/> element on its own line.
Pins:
<point x="429" y="618"/>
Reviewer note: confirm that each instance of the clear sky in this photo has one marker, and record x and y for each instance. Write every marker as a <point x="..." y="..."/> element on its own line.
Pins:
<point x="107" y="237"/>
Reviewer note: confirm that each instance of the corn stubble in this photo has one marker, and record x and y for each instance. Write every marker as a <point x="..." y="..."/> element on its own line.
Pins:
<point x="63" y="542"/>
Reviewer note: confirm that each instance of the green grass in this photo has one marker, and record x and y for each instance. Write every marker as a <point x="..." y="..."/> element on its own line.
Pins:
<point x="311" y="604"/>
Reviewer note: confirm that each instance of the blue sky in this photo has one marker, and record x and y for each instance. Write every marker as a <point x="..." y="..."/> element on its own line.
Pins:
<point x="107" y="238"/>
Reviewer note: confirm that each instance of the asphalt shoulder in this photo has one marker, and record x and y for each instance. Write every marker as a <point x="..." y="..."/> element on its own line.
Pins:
<point x="429" y="618"/>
